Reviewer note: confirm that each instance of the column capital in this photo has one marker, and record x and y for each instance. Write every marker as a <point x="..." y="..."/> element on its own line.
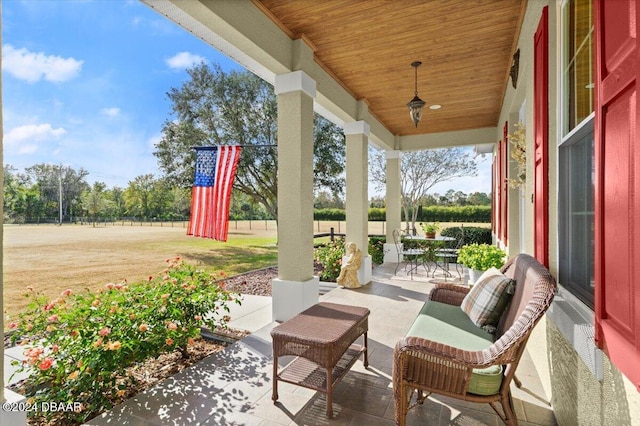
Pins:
<point x="357" y="127"/>
<point x="295" y="81"/>
<point x="393" y="155"/>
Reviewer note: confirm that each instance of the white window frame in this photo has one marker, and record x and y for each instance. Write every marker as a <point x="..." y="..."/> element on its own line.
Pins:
<point x="573" y="318"/>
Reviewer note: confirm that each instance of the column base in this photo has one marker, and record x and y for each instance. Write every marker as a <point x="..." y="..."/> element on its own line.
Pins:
<point x="13" y="417"/>
<point x="289" y="298"/>
<point x="390" y="253"/>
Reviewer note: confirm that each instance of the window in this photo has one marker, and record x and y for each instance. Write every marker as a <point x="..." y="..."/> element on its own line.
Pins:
<point x="575" y="216"/>
<point x="576" y="154"/>
<point x="578" y="63"/>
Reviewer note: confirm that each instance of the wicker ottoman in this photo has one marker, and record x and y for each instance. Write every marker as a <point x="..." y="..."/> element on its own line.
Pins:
<point x="322" y="339"/>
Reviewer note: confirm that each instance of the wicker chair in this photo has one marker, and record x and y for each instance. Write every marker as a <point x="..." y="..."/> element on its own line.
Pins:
<point x="428" y="367"/>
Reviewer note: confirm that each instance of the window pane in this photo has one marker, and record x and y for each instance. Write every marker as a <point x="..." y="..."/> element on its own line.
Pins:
<point x="578" y="63"/>
<point x="576" y="233"/>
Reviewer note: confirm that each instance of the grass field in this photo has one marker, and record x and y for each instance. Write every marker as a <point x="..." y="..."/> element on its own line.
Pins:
<point x="53" y="258"/>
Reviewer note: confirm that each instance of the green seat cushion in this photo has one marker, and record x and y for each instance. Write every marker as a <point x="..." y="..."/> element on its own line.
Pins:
<point x="448" y="324"/>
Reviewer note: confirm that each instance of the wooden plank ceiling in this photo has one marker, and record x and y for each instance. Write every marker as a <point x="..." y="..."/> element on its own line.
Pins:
<point x="465" y="46"/>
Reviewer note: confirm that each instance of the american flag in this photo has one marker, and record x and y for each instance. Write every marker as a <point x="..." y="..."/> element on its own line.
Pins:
<point x="211" y="194"/>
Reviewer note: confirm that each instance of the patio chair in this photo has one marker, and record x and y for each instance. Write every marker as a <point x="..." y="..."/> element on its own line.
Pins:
<point x="413" y="255"/>
<point x="448" y="254"/>
<point x="424" y="365"/>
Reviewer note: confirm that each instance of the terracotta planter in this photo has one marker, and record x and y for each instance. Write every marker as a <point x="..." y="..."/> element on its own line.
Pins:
<point x="430" y="234"/>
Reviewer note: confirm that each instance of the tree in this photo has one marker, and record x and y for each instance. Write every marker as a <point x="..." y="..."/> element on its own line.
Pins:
<point x="138" y="196"/>
<point x="420" y="171"/>
<point x="479" y="199"/>
<point x="218" y="108"/>
<point x="95" y="201"/>
<point x="55" y="184"/>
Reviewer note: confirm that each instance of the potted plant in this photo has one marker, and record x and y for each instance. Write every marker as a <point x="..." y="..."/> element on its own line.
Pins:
<point x="430" y="229"/>
<point x="480" y="257"/>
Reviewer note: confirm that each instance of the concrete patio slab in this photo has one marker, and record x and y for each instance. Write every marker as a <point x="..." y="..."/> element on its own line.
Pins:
<point x="233" y="386"/>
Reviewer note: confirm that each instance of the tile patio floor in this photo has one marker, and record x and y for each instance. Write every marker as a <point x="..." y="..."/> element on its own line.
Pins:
<point x="233" y="387"/>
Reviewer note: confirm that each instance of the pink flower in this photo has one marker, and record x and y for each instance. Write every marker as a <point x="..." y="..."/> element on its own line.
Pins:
<point x="13" y="325"/>
<point x="45" y="364"/>
<point x="66" y="292"/>
<point x="55" y="348"/>
<point x="113" y="346"/>
<point x="105" y="331"/>
<point x="172" y="326"/>
<point x="197" y="317"/>
<point x="143" y="328"/>
<point x="150" y="277"/>
<point x="110" y="285"/>
<point x="33" y="352"/>
<point x="169" y="341"/>
<point x="95" y="303"/>
<point x="53" y="318"/>
<point x="48" y="307"/>
<point x="119" y="286"/>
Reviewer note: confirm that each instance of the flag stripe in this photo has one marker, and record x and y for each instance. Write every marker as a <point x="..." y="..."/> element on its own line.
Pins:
<point x="211" y="193"/>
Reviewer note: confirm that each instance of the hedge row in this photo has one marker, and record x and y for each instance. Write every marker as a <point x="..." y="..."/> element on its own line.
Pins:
<point x="472" y="234"/>
<point x="479" y="214"/>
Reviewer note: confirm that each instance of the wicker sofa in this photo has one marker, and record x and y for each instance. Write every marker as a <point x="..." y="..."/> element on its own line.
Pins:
<point x="480" y="366"/>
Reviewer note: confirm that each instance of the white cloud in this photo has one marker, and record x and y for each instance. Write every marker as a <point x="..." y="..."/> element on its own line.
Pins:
<point x="27" y="149"/>
<point x="33" y="67"/>
<point x="32" y="133"/>
<point x="183" y="60"/>
<point x="110" y="112"/>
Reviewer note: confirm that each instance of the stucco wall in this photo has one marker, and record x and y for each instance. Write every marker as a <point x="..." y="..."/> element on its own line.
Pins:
<point x="578" y="398"/>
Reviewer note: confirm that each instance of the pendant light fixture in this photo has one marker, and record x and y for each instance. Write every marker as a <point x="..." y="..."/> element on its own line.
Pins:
<point x="416" y="104"/>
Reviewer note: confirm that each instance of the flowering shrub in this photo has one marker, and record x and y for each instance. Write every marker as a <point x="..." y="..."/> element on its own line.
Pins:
<point x="330" y="257"/>
<point x="376" y="249"/>
<point x="78" y="346"/>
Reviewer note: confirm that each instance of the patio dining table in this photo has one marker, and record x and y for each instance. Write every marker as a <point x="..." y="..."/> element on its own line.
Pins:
<point x="427" y="244"/>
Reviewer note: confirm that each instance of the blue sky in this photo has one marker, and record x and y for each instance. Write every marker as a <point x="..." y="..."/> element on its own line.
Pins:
<point x="85" y="83"/>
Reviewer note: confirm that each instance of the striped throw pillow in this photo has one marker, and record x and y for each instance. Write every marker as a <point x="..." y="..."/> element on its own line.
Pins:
<point x="487" y="300"/>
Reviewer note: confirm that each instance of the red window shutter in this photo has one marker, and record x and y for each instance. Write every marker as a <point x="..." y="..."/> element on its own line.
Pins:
<point x="617" y="192"/>
<point x="504" y="186"/>
<point x="541" y="138"/>
<point x="498" y="189"/>
<point x="494" y="196"/>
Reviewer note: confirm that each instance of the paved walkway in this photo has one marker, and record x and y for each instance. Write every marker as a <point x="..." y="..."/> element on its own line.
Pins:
<point x="233" y="387"/>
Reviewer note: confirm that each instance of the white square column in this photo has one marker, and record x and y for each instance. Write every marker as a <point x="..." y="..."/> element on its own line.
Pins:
<point x="296" y="288"/>
<point x="357" y="194"/>
<point x="393" y="203"/>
